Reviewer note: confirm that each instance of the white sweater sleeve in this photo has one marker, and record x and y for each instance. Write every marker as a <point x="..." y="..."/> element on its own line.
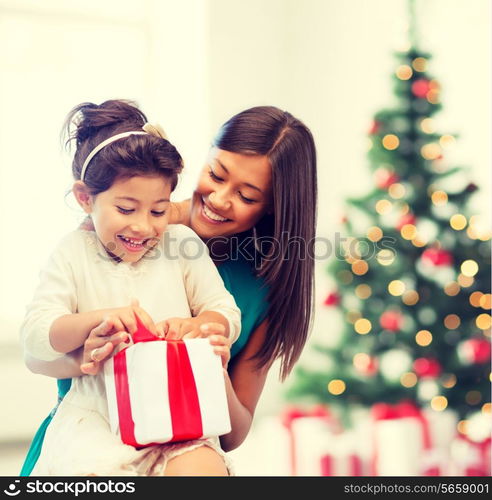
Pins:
<point x="204" y="286"/>
<point x="55" y="296"/>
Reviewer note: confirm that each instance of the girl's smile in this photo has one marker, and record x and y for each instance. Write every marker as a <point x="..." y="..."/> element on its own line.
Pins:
<point x="130" y="217"/>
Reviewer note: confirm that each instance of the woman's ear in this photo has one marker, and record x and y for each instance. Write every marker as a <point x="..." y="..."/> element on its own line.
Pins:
<point x="83" y="196"/>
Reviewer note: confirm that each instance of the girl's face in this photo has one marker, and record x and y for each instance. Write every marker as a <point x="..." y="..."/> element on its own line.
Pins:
<point x="130" y="217"/>
<point x="234" y="192"/>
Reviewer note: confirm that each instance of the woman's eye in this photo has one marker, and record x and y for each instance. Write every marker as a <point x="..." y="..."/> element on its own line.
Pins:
<point x="125" y="211"/>
<point x="246" y="200"/>
<point x="214" y="176"/>
<point x="157" y="213"/>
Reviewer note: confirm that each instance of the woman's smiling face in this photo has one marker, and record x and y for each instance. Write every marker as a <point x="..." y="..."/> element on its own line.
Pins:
<point x="234" y="192"/>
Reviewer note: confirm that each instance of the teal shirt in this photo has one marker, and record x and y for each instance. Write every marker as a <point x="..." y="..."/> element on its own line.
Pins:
<point x="250" y="294"/>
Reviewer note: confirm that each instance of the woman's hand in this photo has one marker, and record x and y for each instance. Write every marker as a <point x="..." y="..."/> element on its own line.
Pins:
<point x="180" y="212"/>
<point x="221" y="344"/>
<point x="101" y="342"/>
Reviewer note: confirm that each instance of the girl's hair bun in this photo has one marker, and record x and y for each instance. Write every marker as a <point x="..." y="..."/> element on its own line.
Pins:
<point x="86" y="120"/>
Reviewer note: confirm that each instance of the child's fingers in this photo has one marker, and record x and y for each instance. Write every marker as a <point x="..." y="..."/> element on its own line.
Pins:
<point x="129" y="322"/>
<point x="185" y="327"/>
<point x="192" y="335"/>
<point x="172" y="332"/>
<point x="110" y="323"/>
<point x="104" y="327"/>
<point x="161" y="329"/>
<point x="147" y="321"/>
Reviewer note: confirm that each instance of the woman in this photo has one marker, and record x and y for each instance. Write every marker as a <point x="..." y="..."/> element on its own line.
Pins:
<point x="255" y="207"/>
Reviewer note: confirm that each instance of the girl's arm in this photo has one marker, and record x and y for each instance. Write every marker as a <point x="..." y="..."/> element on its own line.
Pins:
<point x="70" y="331"/>
<point x="244" y="385"/>
<point x="101" y="340"/>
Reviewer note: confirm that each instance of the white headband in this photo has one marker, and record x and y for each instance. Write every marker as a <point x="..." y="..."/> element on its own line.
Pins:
<point x="102" y="145"/>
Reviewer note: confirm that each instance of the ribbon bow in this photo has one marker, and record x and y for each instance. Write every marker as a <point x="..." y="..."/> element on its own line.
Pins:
<point x="155" y="129"/>
<point x="143" y="334"/>
<point x="292" y="413"/>
<point x="385" y="411"/>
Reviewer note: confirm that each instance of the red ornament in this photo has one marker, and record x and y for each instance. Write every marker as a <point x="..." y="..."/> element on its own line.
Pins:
<point x="437" y="257"/>
<point x="427" y="367"/>
<point x="391" y="320"/>
<point x="369" y="368"/>
<point x="475" y="350"/>
<point x="384" y="178"/>
<point x="421" y="87"/>
<point x="375" y="127"/>
<point x="406" y="219"/>
<point x="333" y="299"/>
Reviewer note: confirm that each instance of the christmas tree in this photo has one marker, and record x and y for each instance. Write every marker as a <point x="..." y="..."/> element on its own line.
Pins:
<point x="413" y="279"/>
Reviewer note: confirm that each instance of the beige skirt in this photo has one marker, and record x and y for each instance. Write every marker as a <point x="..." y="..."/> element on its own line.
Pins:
<point x="79" y="442"/>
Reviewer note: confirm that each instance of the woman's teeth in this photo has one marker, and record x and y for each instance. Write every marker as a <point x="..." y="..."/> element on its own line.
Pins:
<point x="212" y="215"/>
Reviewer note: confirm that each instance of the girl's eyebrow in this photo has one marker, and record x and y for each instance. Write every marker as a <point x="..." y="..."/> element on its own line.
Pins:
<point x="245" y="183"/>
<point x="129" y="198"/>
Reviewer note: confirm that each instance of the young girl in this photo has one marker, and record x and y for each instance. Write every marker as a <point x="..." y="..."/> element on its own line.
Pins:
<point x="131" y="264"/>
<point x="258" y="185"/>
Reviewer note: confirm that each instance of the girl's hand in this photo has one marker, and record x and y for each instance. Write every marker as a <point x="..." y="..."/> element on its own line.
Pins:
<point x="124" y="319"/>
<point x="179" y="328"/>
<point x="221" y="344"/>
<point x="100" y="344"/>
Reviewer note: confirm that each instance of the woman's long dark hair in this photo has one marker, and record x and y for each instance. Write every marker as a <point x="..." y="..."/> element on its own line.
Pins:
<point x="289" y="267"/>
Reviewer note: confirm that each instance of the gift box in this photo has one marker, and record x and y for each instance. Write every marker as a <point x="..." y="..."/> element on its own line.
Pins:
<point x="469" y="457"/>
<point x="409" y="441"/>
<point x="318" y="446"/>
<point x="162" y="391"/>
<point x="342" y="458"/>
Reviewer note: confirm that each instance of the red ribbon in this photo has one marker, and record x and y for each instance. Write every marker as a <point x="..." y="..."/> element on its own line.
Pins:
<point x="483" y="468"/>
<point x="182" y="392"/>
<point x="405" y="409"/>
<point x="354" y="465"/>
<point x="127" y="425"/>
<point x="183" y="396"/>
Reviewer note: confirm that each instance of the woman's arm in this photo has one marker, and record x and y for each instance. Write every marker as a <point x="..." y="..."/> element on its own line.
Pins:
<point x="67" y="366"/>
<point x="244" y="385"/>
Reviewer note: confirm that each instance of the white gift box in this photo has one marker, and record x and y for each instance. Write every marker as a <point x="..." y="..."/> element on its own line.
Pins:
<point x="408" y="441"/>
<point x="165" y="391"/>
